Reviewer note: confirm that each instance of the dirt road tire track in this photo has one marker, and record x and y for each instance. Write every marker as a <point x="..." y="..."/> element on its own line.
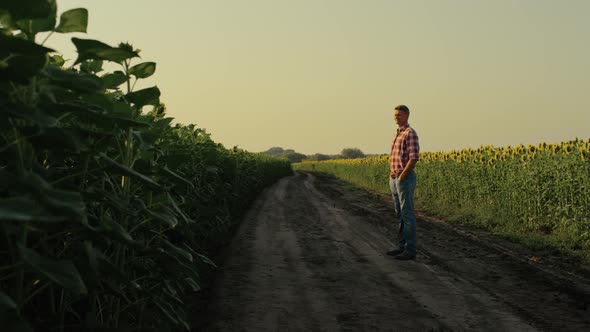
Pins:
<point x="309" y="256"/>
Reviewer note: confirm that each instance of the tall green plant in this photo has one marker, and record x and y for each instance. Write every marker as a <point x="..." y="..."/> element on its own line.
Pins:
<point x="104" y="210"/>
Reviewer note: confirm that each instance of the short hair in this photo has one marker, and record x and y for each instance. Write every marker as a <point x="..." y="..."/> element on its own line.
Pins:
<point x="402" y="108"/>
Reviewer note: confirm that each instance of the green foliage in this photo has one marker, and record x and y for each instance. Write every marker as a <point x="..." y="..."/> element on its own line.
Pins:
<point x="295" y="157"/>
<point x="288" y="154"/>
<point x="106" y="213"/>
<point x="275" y="152"/>
<point x="89" y="49"/>
<point x="143" y="70"/>
<point x="319" y="157"/>
<point x="351" y="153"/>
<point x="73" y="20"/>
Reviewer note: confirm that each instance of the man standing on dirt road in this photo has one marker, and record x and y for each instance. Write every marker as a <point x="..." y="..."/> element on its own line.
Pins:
<point x="405" y="152"/>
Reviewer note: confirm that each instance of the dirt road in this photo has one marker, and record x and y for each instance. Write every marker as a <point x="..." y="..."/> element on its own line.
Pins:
<point x="310" y="256"/>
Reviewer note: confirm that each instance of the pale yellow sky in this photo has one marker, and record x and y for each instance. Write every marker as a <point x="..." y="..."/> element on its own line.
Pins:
<point x="318" y="76"/>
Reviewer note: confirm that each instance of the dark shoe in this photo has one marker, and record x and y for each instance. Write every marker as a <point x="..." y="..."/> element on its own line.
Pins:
<point x="395" y="252"/>
<point x="405" y="257"/>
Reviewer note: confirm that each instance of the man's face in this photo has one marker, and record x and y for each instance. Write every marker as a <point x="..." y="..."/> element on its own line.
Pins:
<point x="401" y="117"/>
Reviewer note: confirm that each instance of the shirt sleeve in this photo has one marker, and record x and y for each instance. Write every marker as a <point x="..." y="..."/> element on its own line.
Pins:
<point x="413" y="145"/>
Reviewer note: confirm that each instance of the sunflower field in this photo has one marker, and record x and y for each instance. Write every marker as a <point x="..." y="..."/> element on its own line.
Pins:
<point x="537" y="192"/>
<point x="107" y="213"/>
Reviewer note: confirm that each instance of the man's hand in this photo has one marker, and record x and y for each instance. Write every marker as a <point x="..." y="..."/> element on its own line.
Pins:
<point x="409" y="168"/>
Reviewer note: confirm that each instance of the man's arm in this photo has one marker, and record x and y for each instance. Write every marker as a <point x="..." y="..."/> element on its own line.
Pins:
<point x="409" y="167"/>
<point x="414" y="153"/>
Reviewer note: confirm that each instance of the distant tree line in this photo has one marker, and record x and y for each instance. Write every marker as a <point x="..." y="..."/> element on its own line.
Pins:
<point x="295" y="157"/>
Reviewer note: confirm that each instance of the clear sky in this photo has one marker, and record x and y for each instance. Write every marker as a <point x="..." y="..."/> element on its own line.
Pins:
<point x="318" y="76"/>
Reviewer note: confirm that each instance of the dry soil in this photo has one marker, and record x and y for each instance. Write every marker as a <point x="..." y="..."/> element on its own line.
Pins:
<point x="310" y="256"/>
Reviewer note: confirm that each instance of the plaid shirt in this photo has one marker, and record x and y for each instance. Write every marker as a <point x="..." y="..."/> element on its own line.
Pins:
<point x="404" y="147"/>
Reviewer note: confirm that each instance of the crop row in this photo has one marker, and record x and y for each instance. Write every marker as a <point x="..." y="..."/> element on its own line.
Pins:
<point x="107" y="213"/>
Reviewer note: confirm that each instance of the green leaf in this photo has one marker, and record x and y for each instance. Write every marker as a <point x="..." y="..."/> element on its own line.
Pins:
<point x="177" y="176"/>
<point x="113" y="228"/>
<point x="40" y="118"/>
<point x="153" y="133"/>
<point x="20" y="68"/>
<point x="69" y="203"/>
<point x="178" y="210"/>
<point x="20" y="9"/>
<point x="91" y="66"/>
<point x="11" y="321"/>
<point x="168" y="310"/>
<point x="113" y="80"/>
<point x="63" y="273"/>
<point x="68" y="139"/>
<point x="146" y="147"/>
<point x="206" y="260"/>
<point x="16" y="46"/>
<point x="143" y="70"/>
<point x="203" y="258"/>
<point x="101" y="266"/>
<point x="122" y="109"/>
<point x="6" y="303"/>
<point x="179" y="253"/>
<point x="94" y="49"/>
<point x="163" y="215"/>
<point x="176" y="266"/>
<point x="25" y="209"/>
<point x="32" y="26"/>
<point x="56" y="60"/>
<point x="109" y="269"/>
<point x="192" y="284"/>
<point x="95" y="118"/>
<point x="124" y="170"/>
<point x="170" y="290"/>
<point x="105" y="198"/>
<point x="73" y="20"/>
<point x="22" y="59"/>
<point x="73" y="80"/>
<point x="99" y="100"/>
<point x="148" y="96"/>
<point x="174" y="313"/>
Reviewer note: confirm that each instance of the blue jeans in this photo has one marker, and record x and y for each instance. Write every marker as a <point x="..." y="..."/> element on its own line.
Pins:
<point x="403" y="202"/>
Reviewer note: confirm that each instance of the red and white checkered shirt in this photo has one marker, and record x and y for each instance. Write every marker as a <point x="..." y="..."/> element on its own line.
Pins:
<point x="404" y="147"/>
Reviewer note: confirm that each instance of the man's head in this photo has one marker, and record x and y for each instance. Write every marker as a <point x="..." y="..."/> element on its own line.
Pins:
<point x="401" y="114"/>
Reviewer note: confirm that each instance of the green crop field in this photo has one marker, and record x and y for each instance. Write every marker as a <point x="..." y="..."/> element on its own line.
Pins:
<point x="537" y="194"/>
<point x="107" y="213"/>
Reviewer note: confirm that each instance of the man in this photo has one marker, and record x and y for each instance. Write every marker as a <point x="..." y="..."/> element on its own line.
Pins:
<point x="404" y="155"/>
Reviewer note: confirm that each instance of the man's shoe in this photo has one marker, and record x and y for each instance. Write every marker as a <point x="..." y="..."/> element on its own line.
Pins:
<point x="395" y="252"/>
<point x="405" y="257"/>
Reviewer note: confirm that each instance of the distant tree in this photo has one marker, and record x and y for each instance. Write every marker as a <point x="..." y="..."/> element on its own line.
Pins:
<point x="352" y="153"/>
<point x="289" y="154"/>
<point x="295" y="157"/>
<point x="319" y="157"/>
<point x="275" y="151"/>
